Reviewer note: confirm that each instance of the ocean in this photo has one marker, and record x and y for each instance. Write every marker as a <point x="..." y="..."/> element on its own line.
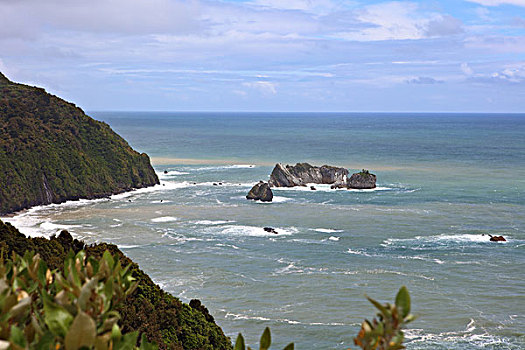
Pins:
<point x="445" y="181"/>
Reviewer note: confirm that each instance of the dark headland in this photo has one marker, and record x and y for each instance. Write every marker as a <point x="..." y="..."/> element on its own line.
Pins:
<point x="51" y="152"/>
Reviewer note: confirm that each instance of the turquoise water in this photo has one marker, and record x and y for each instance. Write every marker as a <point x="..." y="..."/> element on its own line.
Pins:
<point x="444" y="180"/>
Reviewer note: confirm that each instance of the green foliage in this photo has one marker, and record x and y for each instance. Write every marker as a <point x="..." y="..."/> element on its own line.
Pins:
<point x="385" y="332"/>
<point x="50" y="151"/>
<point x="364" y="173"/>
<point x="43" y="309"/>
<point x="159" y="316"/>
<point x="264" y="343"/>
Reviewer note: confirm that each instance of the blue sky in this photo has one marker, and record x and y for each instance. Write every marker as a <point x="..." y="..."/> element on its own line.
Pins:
<point x="270" y="55"/>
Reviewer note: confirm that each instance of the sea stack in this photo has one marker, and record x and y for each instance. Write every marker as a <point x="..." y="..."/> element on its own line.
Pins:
<point x="304" y="173"/>
<point x="261" y="191"/>
<point x="362" y="180"/>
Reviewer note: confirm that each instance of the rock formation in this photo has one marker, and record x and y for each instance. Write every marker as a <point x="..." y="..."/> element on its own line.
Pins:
<point x="270" y="230"/>
<point x="362" y="180"/>
<point x="260" y="191"/>
<point x="497" y="238"/>
<point x="304" y="173"/>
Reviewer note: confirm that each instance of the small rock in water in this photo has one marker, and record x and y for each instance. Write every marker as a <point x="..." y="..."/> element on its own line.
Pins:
<point x="270" y="229"/>
<point x="214" y="184"/>
<point x="165" y="171"/>
<point x="362" y="180"/>
<point x="260" y="191"/>
<point x="220" y="183"/>
<point x="497" y="239"/>
<point x="313" y="188"/>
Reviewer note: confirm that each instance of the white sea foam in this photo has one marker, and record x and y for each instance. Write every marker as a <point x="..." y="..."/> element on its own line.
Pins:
<point x="49" y="226"/>
<point x="126" y="246"/>
<point x="391" y="272"/>
<point x="253" y="231"/>
<point x="333" y="238"/>
<point x="213" y="222"/>
<point x="442" y="239"/>
<point x="326" y="230"/>
<point x="471" y="336"/>
<point x="281" y="320"/>
<point x="326" y="188"/>
<point x="359" y="252"/>
<point x="170" y="174"/>
<point x="276" y="199"/>
<point x="227" y="245"/>
<point x="221" y="167"/>
<point x="33" y="224"/>
<point x="163" y="186"/>
<point x="164" y="219"/>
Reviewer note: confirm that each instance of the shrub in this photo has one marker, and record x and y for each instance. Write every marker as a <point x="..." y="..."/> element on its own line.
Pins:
<point x="385" y="332"/>
<point x="44" y="309"/>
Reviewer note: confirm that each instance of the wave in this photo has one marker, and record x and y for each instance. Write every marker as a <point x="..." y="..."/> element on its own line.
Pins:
<point x="164" y="219"/>
<point x="333" y="238"/>
<point x="213" y="222"/>
<point x="276" y="199"/>
<point x="254" y="231"/>
<point x="360" y="252"/>
<point x="163" y="186"/>
<point x="326" y="230"/>
<point x="126" y="246"/>
<point x="439" y="241"/>
<point x="228" y="245"/>
<point x="220" y="167"/>
<point x="471" y="337"/>
<point x="326" y="188"/>
<point x="281" y="320"/>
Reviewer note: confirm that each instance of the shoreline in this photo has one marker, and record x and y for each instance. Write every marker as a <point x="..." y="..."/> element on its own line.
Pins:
<point x="77" y="200"/>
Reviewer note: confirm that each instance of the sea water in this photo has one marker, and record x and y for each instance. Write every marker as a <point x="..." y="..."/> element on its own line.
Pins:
<point x="445" y="181"/>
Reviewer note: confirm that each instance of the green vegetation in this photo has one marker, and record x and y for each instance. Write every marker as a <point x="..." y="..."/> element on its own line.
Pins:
<point x="44" y="309"/>
<point x="265" y="343"/>
<point x="364" y="173"/>
<point x="159" y="316"/>
<point x="50" y="152"/>
<point x="385" y="332"/>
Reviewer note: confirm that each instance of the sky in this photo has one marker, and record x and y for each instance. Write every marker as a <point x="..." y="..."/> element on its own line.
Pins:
<point x="270" y="55"/>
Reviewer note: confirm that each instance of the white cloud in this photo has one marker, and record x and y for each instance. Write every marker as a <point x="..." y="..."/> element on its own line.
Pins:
<point x="318" y="7"/>
<point x="498" y="2"/>
<point x="465" y="68"/>
<point x="496" y="44"/>
<point x="512" y="73"/>
<point x="400" y="21"/>
<point x="265" y="87"/>
<point x="26" y="19"/>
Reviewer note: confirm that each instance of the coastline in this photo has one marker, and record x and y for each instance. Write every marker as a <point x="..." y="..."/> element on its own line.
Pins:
<point x="12" y="216"/>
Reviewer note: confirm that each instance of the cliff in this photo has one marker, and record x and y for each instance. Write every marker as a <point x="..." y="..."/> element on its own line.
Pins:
<point x="162" y="317"/>
<point x="51" y="151"/>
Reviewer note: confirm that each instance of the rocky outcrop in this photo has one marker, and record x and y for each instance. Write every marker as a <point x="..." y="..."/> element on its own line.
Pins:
<point x="270" y="230"/>
<point x="50" y="152"/>
<point x="497" y="239"/>
<point x="362" y="180"/>
<point x="261" y="191"/>
<point x="304" y="173"/>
